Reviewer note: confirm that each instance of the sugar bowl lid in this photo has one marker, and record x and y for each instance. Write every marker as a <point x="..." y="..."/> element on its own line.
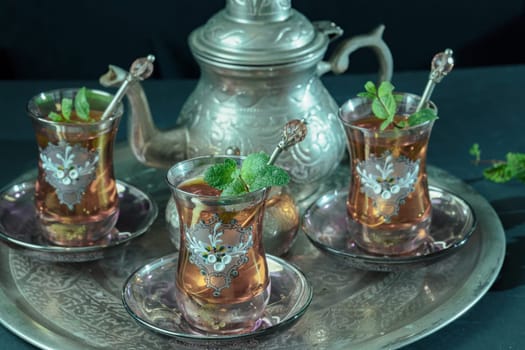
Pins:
<point x="258" y="32"/>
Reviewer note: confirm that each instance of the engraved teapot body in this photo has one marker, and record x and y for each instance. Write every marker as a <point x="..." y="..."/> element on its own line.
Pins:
<point x="246" y="110"/>
<point x="260" y="63"/>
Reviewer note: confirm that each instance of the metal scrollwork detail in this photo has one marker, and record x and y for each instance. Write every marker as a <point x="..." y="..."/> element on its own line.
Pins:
<point x="72" y="299"/>
<point x="216" y="123"/>
<point x="234" y="38"/>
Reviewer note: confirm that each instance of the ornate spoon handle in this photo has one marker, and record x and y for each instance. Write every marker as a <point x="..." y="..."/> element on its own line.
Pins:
<point x="441" y="65"/>
<point x="140" y="69"/>
<point x="293" y="132"/>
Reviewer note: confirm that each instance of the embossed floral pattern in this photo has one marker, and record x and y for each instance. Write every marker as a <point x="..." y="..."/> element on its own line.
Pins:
<point x="69" y="169"/>
<point x="217" y="260"/>
<point x="387" y="180"/>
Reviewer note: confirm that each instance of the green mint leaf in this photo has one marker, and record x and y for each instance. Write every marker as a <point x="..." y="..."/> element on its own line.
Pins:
<point x="271" y="175"/>
<point x="235" y="187"/>
<point x="253" y="165"/>
<point x="81" y="104"/>
<point x="67" y="107"/>
<point x="422" y="116"/>
<point x="258" y="174"/>
<point x="366" y="95"/>
<point x="384" y="104"/>
<point x="398" y="98"/>
<point x="370" y="87"/>
<point x="390" y="105"/>
<point x="475" y="151"/>
<point x="498" y="173"/>
<point x="254" y="174"/>
<point x="401" y="124"/>
<point x="55" y="117"/>
<point x="521" y="178"/>
<point x="385" y="124"/>
<point x="502" y="171"/>
<point x="221" y="175"/>
<point x="516" y="164"/>
<point x="378" y="109"/>
<point x="385" y="89"/>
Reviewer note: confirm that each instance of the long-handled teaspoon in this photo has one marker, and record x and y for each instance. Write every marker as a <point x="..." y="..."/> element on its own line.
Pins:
<point x="441" y="65"/>
<point x="294" y="132"/>
<point x="140" y="69"/>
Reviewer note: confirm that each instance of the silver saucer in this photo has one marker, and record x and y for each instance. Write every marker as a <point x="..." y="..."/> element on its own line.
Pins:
<point x="149" y="297"/>
<point x="19" y="227"/>
<point x="327" y="226"/>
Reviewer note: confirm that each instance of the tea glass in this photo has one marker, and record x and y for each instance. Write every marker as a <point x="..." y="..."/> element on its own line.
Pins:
<point x="222" y="282"/>
<point x="388" y="203"/>
<point x="76" y="195"/>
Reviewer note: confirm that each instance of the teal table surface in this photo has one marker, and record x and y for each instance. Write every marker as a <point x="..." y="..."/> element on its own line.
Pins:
<point x="483" y="105"/>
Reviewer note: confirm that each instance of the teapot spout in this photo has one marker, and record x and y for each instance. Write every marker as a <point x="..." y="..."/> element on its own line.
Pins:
<point x="149" y="145"/>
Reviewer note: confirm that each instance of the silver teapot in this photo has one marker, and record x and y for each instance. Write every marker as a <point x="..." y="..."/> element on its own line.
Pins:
<point x="260" y="63"/>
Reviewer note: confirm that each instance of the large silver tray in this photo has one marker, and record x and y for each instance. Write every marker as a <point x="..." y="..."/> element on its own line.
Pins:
<point x="78" y="306"/>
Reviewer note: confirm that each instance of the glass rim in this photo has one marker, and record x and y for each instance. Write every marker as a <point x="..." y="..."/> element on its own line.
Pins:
<point x="395" y="131"/>
<point x="220" y="199"/>
<point x="117" y="113"/>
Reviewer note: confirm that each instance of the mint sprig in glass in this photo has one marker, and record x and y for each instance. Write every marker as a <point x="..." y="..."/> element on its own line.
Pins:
<point x="385" y="106"/>
<point x="257" y="170"/>
<point x="255" y="173"/>
<point x="79" y="106"/>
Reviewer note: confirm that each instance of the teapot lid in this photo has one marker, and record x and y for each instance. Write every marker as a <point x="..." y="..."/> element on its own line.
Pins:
<point x="258" y="32"/>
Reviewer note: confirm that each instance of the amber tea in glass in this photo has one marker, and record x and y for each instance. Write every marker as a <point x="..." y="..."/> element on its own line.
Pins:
<point x="76" y="192"/>
<point x="388" y="203"/>
<point x="222" y="282"/>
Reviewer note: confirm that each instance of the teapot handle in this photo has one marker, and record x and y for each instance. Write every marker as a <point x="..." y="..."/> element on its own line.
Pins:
<point x="338" y="62"/>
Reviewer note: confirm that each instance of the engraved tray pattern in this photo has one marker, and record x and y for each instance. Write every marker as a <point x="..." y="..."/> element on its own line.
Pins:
<point x="71" y="306"/>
